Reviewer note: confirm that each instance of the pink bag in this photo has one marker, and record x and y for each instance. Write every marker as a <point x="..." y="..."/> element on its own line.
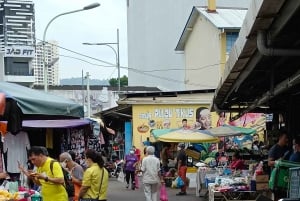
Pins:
<point x="136" y="180"/>
<point x="163" y="193"/>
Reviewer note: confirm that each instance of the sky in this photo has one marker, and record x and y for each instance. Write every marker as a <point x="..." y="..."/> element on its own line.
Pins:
<point x="98" y="25"/>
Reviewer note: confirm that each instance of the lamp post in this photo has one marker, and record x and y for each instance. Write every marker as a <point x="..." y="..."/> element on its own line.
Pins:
<point x="117" y="53"/>
<point x="45" y="68"/>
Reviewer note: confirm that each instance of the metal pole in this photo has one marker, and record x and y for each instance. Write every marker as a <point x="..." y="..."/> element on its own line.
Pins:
<point x="88" y="94"/>
<point x="118" y="61"/>
<point x="82" y="88"/>
<point x="45" y="66"/>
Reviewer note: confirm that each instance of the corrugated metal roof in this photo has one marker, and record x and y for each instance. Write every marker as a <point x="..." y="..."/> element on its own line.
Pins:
<point x="225" y="18"/>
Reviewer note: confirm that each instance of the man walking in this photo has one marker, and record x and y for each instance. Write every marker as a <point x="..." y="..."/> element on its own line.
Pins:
<point x="75" y="171"/>
<point x="51" y="181"/>
<point x="151" y="174"/>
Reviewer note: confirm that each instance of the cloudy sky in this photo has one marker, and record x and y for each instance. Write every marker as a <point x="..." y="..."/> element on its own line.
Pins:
<point x="97" y="25"/>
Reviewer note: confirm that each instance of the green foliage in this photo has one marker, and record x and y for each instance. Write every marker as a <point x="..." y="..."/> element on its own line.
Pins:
<point x="123" y="81"/>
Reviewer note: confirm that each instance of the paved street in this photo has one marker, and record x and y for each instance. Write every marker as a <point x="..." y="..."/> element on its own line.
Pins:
<point x="118" y="192"/>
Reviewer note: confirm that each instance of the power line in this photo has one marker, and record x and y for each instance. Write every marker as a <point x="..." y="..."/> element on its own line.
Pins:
<point x="147" y="73"/>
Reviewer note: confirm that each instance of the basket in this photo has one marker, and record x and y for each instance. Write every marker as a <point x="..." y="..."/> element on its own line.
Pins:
<point x="294" y="189"/>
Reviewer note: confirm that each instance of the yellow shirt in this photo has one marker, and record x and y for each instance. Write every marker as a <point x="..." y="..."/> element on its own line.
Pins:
<point x="92" y="178"/>
<point x="51" y="191"/>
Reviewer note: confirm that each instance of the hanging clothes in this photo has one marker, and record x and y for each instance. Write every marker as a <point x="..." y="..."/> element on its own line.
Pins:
<point x="16" y="146"/>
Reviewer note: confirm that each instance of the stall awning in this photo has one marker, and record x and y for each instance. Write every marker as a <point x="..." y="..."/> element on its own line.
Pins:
<point x="65" y="123"/>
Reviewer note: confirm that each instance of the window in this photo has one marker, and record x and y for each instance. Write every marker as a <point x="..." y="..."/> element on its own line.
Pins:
<point x="230" y="40"/>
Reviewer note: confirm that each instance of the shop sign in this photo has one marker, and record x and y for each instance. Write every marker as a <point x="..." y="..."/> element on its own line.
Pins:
<point x="19" y="51"/>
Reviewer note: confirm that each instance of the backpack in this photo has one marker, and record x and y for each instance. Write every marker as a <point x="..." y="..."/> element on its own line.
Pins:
<point x="69" y="186"/>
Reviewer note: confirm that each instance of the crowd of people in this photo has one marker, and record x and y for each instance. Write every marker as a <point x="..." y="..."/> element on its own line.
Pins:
<point x="91" y="181"/>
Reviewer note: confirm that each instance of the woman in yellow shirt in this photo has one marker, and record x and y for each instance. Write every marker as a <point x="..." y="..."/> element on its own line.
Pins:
<point x="95" y="178"/>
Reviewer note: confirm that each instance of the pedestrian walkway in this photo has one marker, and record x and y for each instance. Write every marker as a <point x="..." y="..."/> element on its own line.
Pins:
<point x="117" y="191"/>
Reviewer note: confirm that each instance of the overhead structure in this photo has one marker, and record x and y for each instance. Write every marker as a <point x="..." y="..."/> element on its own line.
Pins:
<point x="262" y="72"/>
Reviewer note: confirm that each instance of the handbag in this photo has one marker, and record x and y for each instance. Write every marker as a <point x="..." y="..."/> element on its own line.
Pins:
<point x="163" y="196"/>
<point x="95" y="199"/>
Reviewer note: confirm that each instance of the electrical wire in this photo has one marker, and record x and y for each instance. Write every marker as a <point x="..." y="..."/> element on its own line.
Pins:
<point x="147" y="73"/>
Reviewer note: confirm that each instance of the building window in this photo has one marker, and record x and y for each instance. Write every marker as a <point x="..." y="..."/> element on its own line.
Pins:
<point x="230" y="40"/>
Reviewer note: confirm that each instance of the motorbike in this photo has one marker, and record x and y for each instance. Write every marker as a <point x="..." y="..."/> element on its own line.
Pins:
<point x="114" y="167"/>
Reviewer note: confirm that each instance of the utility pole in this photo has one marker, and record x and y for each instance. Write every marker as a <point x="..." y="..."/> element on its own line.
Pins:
<point x="88" y="94"/>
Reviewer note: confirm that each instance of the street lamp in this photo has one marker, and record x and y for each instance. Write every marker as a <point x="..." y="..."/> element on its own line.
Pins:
<point x="88" y="7"/>
<point x="117" y="53"/>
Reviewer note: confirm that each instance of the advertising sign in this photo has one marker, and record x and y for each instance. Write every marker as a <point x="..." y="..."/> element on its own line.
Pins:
<point x="19" y="51"/>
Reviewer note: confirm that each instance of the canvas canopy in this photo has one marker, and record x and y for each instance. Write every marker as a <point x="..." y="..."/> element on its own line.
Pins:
<point x="34" y="102"/>
<point x="182" y="135"/>
<point x="227" y="130"/>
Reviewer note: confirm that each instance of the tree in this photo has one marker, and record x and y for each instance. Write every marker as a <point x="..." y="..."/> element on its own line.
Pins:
<point x="123" y="81"/>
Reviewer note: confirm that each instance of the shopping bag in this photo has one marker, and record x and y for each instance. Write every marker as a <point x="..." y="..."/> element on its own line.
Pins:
<point x="180" y="182"/>
<point x="121" y="177"/>
<point x="136" y="180"/>
<point x="163" y="193"/>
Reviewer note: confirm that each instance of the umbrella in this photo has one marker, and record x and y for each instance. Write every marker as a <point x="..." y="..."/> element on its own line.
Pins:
<point x="227" y="130"/>
<point x="182" y="135"/>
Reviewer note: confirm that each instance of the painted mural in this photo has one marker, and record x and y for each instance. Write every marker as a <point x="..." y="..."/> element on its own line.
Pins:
<point x="148" y="117"/>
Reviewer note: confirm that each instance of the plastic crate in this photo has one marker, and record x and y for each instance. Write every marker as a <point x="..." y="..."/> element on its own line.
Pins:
<point x="294" y="184"/>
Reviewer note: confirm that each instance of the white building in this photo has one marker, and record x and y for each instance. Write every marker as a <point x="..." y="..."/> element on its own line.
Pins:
<point x="154" y="28"/>
<point x="17" y="41"/>
<point x="52" y="55"/>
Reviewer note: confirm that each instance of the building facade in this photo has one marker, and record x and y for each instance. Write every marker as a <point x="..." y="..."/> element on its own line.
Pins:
<point x="17" y="41"/>
<point x="206" y="41"/>
<point x="154" y="28"/>
<point x="51" y="59"/>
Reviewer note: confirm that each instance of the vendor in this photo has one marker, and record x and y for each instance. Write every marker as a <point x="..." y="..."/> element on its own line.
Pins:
<point x="237" y="163"/>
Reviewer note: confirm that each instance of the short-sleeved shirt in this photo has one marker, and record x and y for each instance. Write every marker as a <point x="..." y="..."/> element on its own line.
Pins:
<point x="150" y="168"/>
<point x="181" y="156"/>
<point x="51" y="191"/>
<point x="130" y="160"/>
<point x="92" y="178"/>
<point x="295" y="157"/>
<point x="277" y="152"/>
<point x="77" y="172"/>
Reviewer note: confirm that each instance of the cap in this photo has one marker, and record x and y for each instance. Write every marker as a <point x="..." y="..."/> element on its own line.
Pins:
<point x="181" y="145"/>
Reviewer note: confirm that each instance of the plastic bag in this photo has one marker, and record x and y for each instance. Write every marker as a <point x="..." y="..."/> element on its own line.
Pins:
<point x="121" y="176"/>
<point x="180" y="182"/>
<point x="163" y="193"/>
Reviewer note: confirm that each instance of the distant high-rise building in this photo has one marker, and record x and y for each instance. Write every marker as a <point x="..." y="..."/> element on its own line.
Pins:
<point x="17" y="41"/>
<point x="51" y="57"/>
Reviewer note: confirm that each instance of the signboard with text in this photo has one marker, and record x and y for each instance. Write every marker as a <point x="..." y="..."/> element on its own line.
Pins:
<point x="19" y="51"/>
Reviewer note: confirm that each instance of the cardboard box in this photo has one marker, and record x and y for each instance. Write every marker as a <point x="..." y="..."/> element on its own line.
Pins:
<point x="262" y="186"/>
<point x="262" y="178"/>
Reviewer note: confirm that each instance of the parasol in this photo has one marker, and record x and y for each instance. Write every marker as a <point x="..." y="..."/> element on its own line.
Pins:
<point x="182" y="135"/>
<point x="227" y="130"/>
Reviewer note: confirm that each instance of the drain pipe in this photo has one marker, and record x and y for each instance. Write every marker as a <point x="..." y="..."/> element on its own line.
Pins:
<point x="269" y="51"/>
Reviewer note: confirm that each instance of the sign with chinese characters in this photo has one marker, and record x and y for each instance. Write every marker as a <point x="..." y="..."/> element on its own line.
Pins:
<point x="19" y="51"/>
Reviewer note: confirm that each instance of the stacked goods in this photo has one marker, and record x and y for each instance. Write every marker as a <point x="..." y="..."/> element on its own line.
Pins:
<point x="6" y="196"/>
